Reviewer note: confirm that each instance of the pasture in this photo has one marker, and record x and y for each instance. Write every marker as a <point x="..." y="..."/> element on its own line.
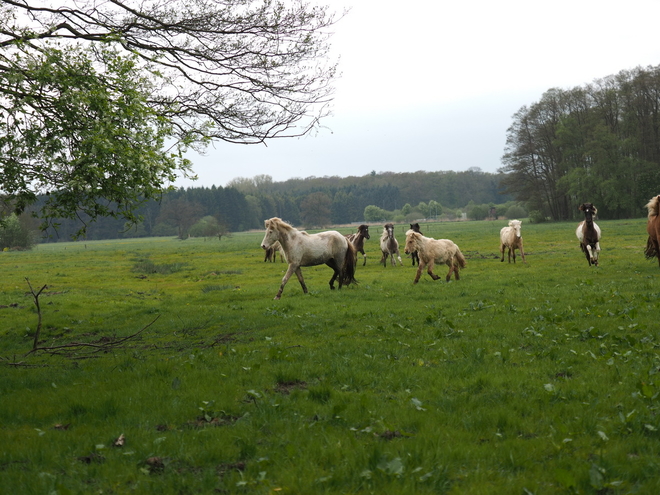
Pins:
<point x="527" y="378"/>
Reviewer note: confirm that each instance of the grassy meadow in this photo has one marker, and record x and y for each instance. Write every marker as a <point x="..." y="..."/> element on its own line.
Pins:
<point x="534" y="378"/>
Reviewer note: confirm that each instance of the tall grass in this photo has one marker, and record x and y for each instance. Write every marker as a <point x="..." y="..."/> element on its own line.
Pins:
<point x="519" y="378"/>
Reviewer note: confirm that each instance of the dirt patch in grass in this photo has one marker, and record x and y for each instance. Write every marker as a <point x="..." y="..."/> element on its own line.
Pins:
<point x="285" y="388"/>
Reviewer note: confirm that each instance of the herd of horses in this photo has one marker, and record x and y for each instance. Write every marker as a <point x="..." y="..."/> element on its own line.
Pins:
<point x="339" y="252"/>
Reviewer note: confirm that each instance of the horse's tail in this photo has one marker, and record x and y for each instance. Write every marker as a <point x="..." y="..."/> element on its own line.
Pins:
<point x="459" y="259"/>
<point x="651" y="252"/>
<point x="653" y="206"/>
<point x="347" y="276"/>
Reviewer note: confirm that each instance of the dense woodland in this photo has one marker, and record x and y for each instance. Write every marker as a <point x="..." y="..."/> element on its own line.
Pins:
<point x="598" y="143"/>
<point x="311" y="202"/>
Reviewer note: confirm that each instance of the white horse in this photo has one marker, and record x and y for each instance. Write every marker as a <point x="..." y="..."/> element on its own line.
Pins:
<point x="303" y="249"/>
<point x="510" y="237"/>
<point x="389" y="246"/>
<point x="433" y="251"/>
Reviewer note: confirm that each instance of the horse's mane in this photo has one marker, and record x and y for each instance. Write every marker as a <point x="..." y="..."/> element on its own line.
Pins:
<point x="653" y="206"/>
<point x="280" y="224"/>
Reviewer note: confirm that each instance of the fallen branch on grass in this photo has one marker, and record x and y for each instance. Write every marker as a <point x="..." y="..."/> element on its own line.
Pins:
<point x="96" y="347"/>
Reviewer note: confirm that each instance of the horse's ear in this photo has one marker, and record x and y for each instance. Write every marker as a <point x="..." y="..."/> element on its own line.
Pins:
<point x="581" y="207"/>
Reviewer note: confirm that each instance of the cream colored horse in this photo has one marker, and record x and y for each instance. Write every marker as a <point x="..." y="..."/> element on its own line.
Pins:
<point x="433" y="251"/>
<point x="511" y="238"/>
<point x="303" y="249"/>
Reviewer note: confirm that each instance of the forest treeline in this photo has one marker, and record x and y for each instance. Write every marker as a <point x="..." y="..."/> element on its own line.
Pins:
<point x="598" y="143"/>
<point x="310" y="202"/>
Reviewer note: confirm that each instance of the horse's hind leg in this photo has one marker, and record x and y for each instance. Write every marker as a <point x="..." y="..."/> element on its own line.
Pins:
<point x="502" y="247"/>
<point x="429" y="270"/>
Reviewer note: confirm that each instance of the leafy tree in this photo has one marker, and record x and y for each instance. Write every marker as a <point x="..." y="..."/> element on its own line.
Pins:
<point x="16" y="232"/>
<point x="181" y="214"/>
<point x="315" y="209"/>
<point x="100" y="100"/>
<point x="208" y="226"/>
<point x="373" y="213"/>
<point x="423" y="209"/>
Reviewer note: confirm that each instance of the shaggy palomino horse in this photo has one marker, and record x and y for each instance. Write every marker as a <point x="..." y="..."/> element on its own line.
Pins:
<point x="511" y="238"/>
<point x="389" y="245"/>
<point x="357" y="239"/>
<point x="433" y="251"/>
<point x="271" y="253"/>
<point x="303" y="249"/>
<point x="589" y="233"/>
<point x="415" y="257"/>
<point x="653" y="228"/>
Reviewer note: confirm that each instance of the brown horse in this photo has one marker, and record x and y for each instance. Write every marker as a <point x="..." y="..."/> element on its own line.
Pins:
<point x="357" y="239"/>
<point x="414" y="255"/>
<point x="271" y="253"/>
<point x="653" y="228"/>
<point x="389" y="246"/>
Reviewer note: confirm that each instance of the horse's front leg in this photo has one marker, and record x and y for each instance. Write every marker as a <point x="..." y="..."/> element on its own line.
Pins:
<point x="522" y="252"/>
<point x="502" y="248"/>
<point x="286" y="277"/>
<point x="420" y="269"/>
<point x="590" y="254"/>
<point x="513" y="249"/>
<point x="364" y="255"/>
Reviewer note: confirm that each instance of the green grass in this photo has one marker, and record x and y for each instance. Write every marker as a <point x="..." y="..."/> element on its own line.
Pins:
<point x="528" y="378"/>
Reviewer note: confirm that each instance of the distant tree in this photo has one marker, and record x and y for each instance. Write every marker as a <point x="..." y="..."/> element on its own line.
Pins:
<point x="423" y="209"/>
<point x="315" y="209"/>
<point x="207" y="226"/>
<point x="374" y="214"/>
<point x="406" y="209"/>
<point x="477" y="212"/>
<point x="435" y="209"/>
<point x="17" y="232"/>
<point x="180" y="213"/>
<point x="515" y="211"/>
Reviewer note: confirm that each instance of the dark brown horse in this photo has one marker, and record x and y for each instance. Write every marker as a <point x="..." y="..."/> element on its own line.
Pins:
<point x="357" y="239"/>
<point x="653" y="228"/>
<point x="414" y="255"/>
<point x="271" y="253"/>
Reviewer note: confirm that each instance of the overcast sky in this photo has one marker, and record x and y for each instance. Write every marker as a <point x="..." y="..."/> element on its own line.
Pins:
<point x="432" y="85"/>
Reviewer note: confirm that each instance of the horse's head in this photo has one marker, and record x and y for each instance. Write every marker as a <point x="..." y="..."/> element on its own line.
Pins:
<point x="412" y="238"/>
<point x="388" y="230"/>
<point x="589" y="211"/>
<point x="415" y="227"/>
<point x="364" y="230"/>
<point x="516" y="225"/>
<point x="272" y="232"/>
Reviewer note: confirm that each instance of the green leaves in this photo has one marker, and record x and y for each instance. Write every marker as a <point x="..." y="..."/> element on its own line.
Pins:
<point x="78" y="126"/>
